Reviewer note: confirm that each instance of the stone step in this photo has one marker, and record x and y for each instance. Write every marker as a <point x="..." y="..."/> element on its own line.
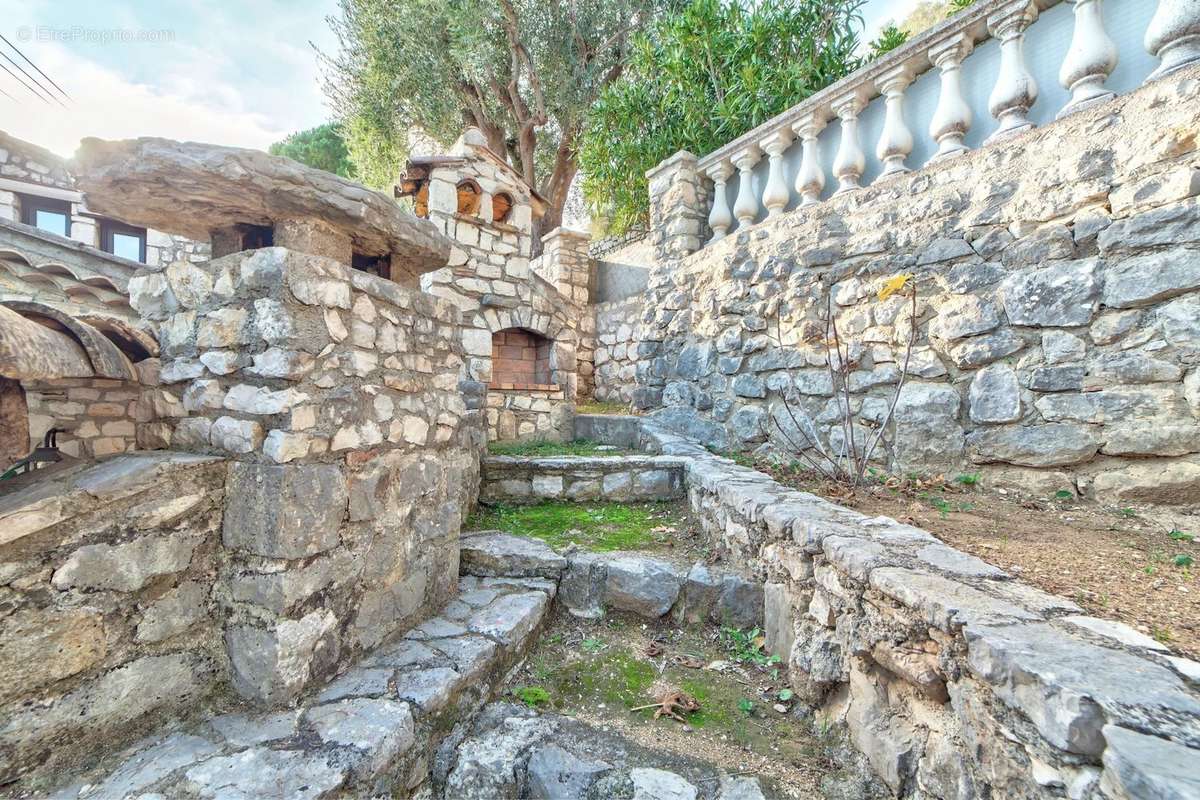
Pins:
<point x="511" y="751"/>
<point x="371" y="730"/>
<point x="643" y="584"/>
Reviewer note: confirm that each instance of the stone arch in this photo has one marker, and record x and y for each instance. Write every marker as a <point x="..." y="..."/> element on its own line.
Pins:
<point x="538" y="322"/>
<point x="470" y="196"/>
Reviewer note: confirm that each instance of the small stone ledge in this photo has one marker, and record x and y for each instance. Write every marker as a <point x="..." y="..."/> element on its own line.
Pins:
<point x="515" y="479"/>
<point x="866" y="602"/>
<point x="370" y="732"/>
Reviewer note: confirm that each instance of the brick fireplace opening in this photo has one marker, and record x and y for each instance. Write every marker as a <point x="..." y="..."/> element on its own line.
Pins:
<point x="521" y="360"/>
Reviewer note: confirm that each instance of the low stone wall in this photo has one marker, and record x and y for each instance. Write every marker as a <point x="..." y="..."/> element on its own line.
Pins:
<point x="616" y="351"/>
<point x="110" y="621"/>
<point x="338" y="394"/>
<point x="954" y="680"/>
<point x="98" y="416"/>
<point x="514" y="479"/>
<point x="516" y="414"/>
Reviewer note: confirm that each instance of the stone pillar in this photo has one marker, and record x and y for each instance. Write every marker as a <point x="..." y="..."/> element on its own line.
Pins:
<point x="810" y="179"/>
<point x="565" y="257"/>
<point x="720" y="218"/>
<point x="314" y="237"/>
<point x="1090" y="60"/>
<point x="678" y="206"/>
<point x="1173" y="36"/>
<point x="334" y="393"/>
<point x="952" y="118"/>
<point x="1016" y="90"/>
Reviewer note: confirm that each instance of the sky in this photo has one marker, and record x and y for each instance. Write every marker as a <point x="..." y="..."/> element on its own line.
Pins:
<point x="234" y="72"/>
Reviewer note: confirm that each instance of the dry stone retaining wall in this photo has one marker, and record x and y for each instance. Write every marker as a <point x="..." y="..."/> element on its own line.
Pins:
<point x="514" y="479"/>
<point x="954" y="680"/>
<point x="337" y="392"/>
<point x="616" y="351"/>
<point x="110" y="623"/>
<point x="1059" y="292"/>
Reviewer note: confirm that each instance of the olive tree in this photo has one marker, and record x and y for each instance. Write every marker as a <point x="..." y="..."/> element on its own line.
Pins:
<point x="525" y="72"/>
<point x="701" y="76"/>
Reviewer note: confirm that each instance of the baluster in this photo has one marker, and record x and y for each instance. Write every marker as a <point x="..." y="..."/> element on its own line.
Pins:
<point x="1090" y="60"/>
<point x="1016" y="91"/>
<point x="810" y="180"/>
<point x="720" y="218"/>
<point x="850" y="161"/>
<point x="896" y="141"/>
<point x="952" y="118"/>
<point x="1174" y="36"/>
<point x="745" y="208"/>
<point x="775" y="195"/>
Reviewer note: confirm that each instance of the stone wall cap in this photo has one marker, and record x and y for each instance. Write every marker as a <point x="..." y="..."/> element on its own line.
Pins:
<point x="190" y="189"/>
<point x="679" y="157"/>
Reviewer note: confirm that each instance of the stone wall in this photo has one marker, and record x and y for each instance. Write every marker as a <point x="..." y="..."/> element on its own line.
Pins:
<point x="616" y="353"/>
<point x="490" y="279"/>
<point x="511" y="479"/>
<point x="98" y="416"/>
<point x="953" y="679"/>
<point x="1056" y="334"/>
<point x="338" y="394"/>
<point x="109" y="621"/>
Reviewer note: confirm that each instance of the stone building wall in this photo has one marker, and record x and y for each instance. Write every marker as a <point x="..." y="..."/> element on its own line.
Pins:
<point x="1058" y="275"/>
<point x="622" y="479"/>
<point x="616" y="353"/>
<point x="110" y="620"/>
<point x="953" y="679"/>
<point x="97" y="416"/>
<point x="29" y="164"/>
<point x="337" y="394"/>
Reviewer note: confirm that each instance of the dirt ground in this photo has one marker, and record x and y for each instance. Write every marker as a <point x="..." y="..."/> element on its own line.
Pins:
<point x="606" y="672"/>
<point x="1134" y="564"/>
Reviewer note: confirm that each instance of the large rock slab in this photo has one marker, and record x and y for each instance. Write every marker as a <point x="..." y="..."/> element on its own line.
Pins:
<point x="212" y="186"/>
<point x="499" y="555"/>
<point x="1050" y="445"/>
<point x="1070" y="689"/>
<point x="646" y="586"/>
<point x="1137" y="766"/>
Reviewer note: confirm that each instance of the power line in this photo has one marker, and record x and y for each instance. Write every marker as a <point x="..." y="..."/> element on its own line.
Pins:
<point x="35" y="66"/>
<point x="8" y="58"/>
<point x="9" y="96"/>
<point x="26" y="85"/>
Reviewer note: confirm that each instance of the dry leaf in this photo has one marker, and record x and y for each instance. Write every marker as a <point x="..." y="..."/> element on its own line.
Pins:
<point x="894" y="284"/>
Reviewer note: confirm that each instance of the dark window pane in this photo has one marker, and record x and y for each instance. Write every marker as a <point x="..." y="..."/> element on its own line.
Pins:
<point x="50" y="221"/>
<point x="127" y="246"/>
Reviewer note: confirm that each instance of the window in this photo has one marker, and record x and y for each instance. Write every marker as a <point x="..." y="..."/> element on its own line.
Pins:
<point x="123" y="240"/>
<point x="502" y="207"/>
<point x="46" y="214"/>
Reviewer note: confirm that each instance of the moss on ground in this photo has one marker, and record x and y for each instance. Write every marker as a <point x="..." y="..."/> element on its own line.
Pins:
<point x="540" y="448"/>
<point x="595" y="526"/>
<point x="602" y="408"/>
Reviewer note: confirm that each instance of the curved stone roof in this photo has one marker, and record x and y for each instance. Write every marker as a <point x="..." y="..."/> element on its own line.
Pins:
<point x="39" y="342"/>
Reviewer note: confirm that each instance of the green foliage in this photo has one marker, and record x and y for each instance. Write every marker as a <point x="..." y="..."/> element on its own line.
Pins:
<point x="593" y="645"/>
<point x="1183" y="560"/>
<point x="889" y="39"/>
<point x="532" y="696"/>
<point x="699" y="78"/>
<point x="540" y="447"/>
<point x="959" y="5"/>
<point x="785" y="695"/>
<point x="524" y="71"/>
<point x="969" y="478"/>
<point x="321" y="147"/>
<point x="746" y="647"/>
<point x="746" y="705"/>
<point x="1064" y="494"/>
<point x="601" y="526"/>
<point x="1180" y="536"/>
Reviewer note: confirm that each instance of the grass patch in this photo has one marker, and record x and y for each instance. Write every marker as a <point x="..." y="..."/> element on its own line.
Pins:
<point x="540" y="447"/>
<point x="601" y="526"/>
<point x="601" y="408"/>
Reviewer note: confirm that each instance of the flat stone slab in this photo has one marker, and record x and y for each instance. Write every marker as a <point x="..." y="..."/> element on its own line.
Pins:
<point x="509" y="619"/>
<point x="381" y="730"/>
<point x="211" y="186"/>
<point x="495" y="554"/>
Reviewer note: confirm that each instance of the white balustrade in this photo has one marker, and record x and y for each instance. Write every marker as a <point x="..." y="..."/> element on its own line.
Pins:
<point x="1173" y="36"/>
<point x="745" y="208"/>
<point x="1090" y="60"/>
<point x="810" y="179"/>
<point x="776" y="195"/>
<point x="952" y="118"/>
<point x="896" y="141"/>
<point x="720" y="218"/>
<point x="850" y="161"/>
<point x="1016" y="91"/>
